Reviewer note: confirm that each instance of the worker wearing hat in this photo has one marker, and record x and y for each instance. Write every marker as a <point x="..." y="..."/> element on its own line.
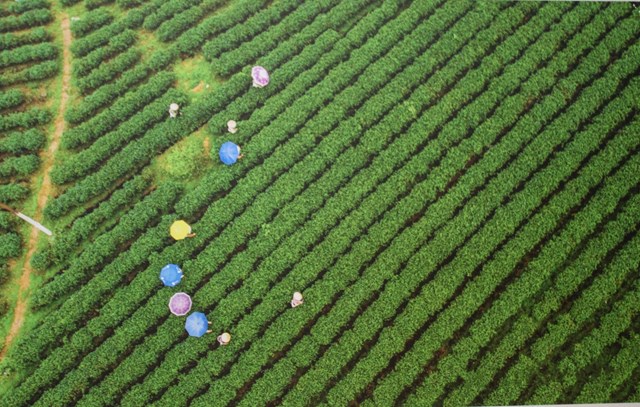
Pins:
<point x="224" y="339"/>
<point x="297" y="299"/>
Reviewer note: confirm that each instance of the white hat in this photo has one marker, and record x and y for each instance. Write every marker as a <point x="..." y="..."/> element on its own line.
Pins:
<point x="231" y="123"/>
<point x="174" y="106"/>
<point x="297" y="296"/>
<point x="225" y="337"/>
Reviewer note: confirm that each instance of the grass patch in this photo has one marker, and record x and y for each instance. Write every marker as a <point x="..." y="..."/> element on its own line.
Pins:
<point x="148" y="43"/>
<point x="186" y="161"/>
<point x="195" y="77"/>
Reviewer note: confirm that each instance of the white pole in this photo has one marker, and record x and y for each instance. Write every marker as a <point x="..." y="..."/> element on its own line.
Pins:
<point x="34" y="223"/>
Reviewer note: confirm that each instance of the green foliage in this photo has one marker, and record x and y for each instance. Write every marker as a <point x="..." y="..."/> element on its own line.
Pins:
<point x="19" y="7"/>
<point x="108" y="71"/>
<point x="13" y="192"/>
<point x="10" y="245"/>
<point x="4" y="305"/>
<point x="5" y="274"/>
<point x="108" y="93"/>
<point x="452" y="185"/>
<point x="11" y="99"/>
<point x="179" y="23"/>
<point x="166" y="11"/>
<point x="129" y="3"/>
<point x="43" y="70"/>
<point x="29" y="141"/>
<point x="620" y="371"/>
<point x="122" y="109"/>
<point x="91" y="158"/>
<point x="24" y="120"/>
<point x="103" y="35"/>
<point x="19" y="167"/>
<point x="107" y="212"/>
<point x="142" y="215"/>
<point x="243" y="54"/>
<point x="94" y="4"/>
<point x="90" y="22"/>
<point x="240" y="33"/>
<point x="192" y="40"/>
<point x="27" y="54"/>
<point x="28" y="19"/>
<point x="185" y="160"/>
<point x="7" y="220"/>
<point x="34" y="36"/>
<point x="94" y="59"/>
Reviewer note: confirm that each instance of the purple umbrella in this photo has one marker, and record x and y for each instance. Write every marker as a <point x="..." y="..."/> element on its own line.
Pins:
<point x="260" y="76"/>
<point x="180" y="304"/>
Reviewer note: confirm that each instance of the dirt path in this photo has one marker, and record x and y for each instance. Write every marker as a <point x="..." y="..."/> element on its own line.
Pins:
<point x="45" y="189"/>
<point x="206" y="146"/>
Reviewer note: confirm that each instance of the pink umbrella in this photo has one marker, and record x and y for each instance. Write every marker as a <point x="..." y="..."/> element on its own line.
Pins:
<point x="180" y="304"/>
<point x="260" y="76"/>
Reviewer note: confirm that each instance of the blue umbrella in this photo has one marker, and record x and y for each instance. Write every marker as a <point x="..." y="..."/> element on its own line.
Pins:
<point x="196" y="324"/>
<point x="171" y="275"/>
<point x="229" y="153"/>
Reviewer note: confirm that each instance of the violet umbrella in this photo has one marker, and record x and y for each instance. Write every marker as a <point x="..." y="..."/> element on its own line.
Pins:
<point x="260" y="76"/>
<point x="180" y="304"/>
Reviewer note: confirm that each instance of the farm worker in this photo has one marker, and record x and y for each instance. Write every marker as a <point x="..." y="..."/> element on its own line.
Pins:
<point x="180" y="230"/>
<point x="232" y="126"/>
<point x="229" y="153"/>
<point x="260" y="77"/>
<point x="224" y="339"/>
<point x="173" y="110"/>
<point x="297" y="299"/>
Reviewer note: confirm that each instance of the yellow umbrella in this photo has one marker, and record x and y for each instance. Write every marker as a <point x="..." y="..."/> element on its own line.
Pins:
<point x="180" y="229"/>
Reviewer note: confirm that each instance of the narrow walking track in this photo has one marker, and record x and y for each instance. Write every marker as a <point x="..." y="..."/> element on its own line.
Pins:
<point x="43" y="194"/>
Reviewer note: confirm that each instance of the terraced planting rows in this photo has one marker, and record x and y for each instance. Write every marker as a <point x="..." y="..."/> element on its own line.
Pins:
<point x="29" y="59"/>
<point x="453" y="186"/>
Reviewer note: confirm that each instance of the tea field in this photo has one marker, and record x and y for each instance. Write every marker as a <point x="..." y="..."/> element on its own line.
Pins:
<point x="454" y="187"/>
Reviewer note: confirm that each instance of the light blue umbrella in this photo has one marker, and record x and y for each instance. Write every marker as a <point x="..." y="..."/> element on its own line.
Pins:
<point x="196" y="324"/>
<point x="229" y="153"/>
<point x="171" y="275"/>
